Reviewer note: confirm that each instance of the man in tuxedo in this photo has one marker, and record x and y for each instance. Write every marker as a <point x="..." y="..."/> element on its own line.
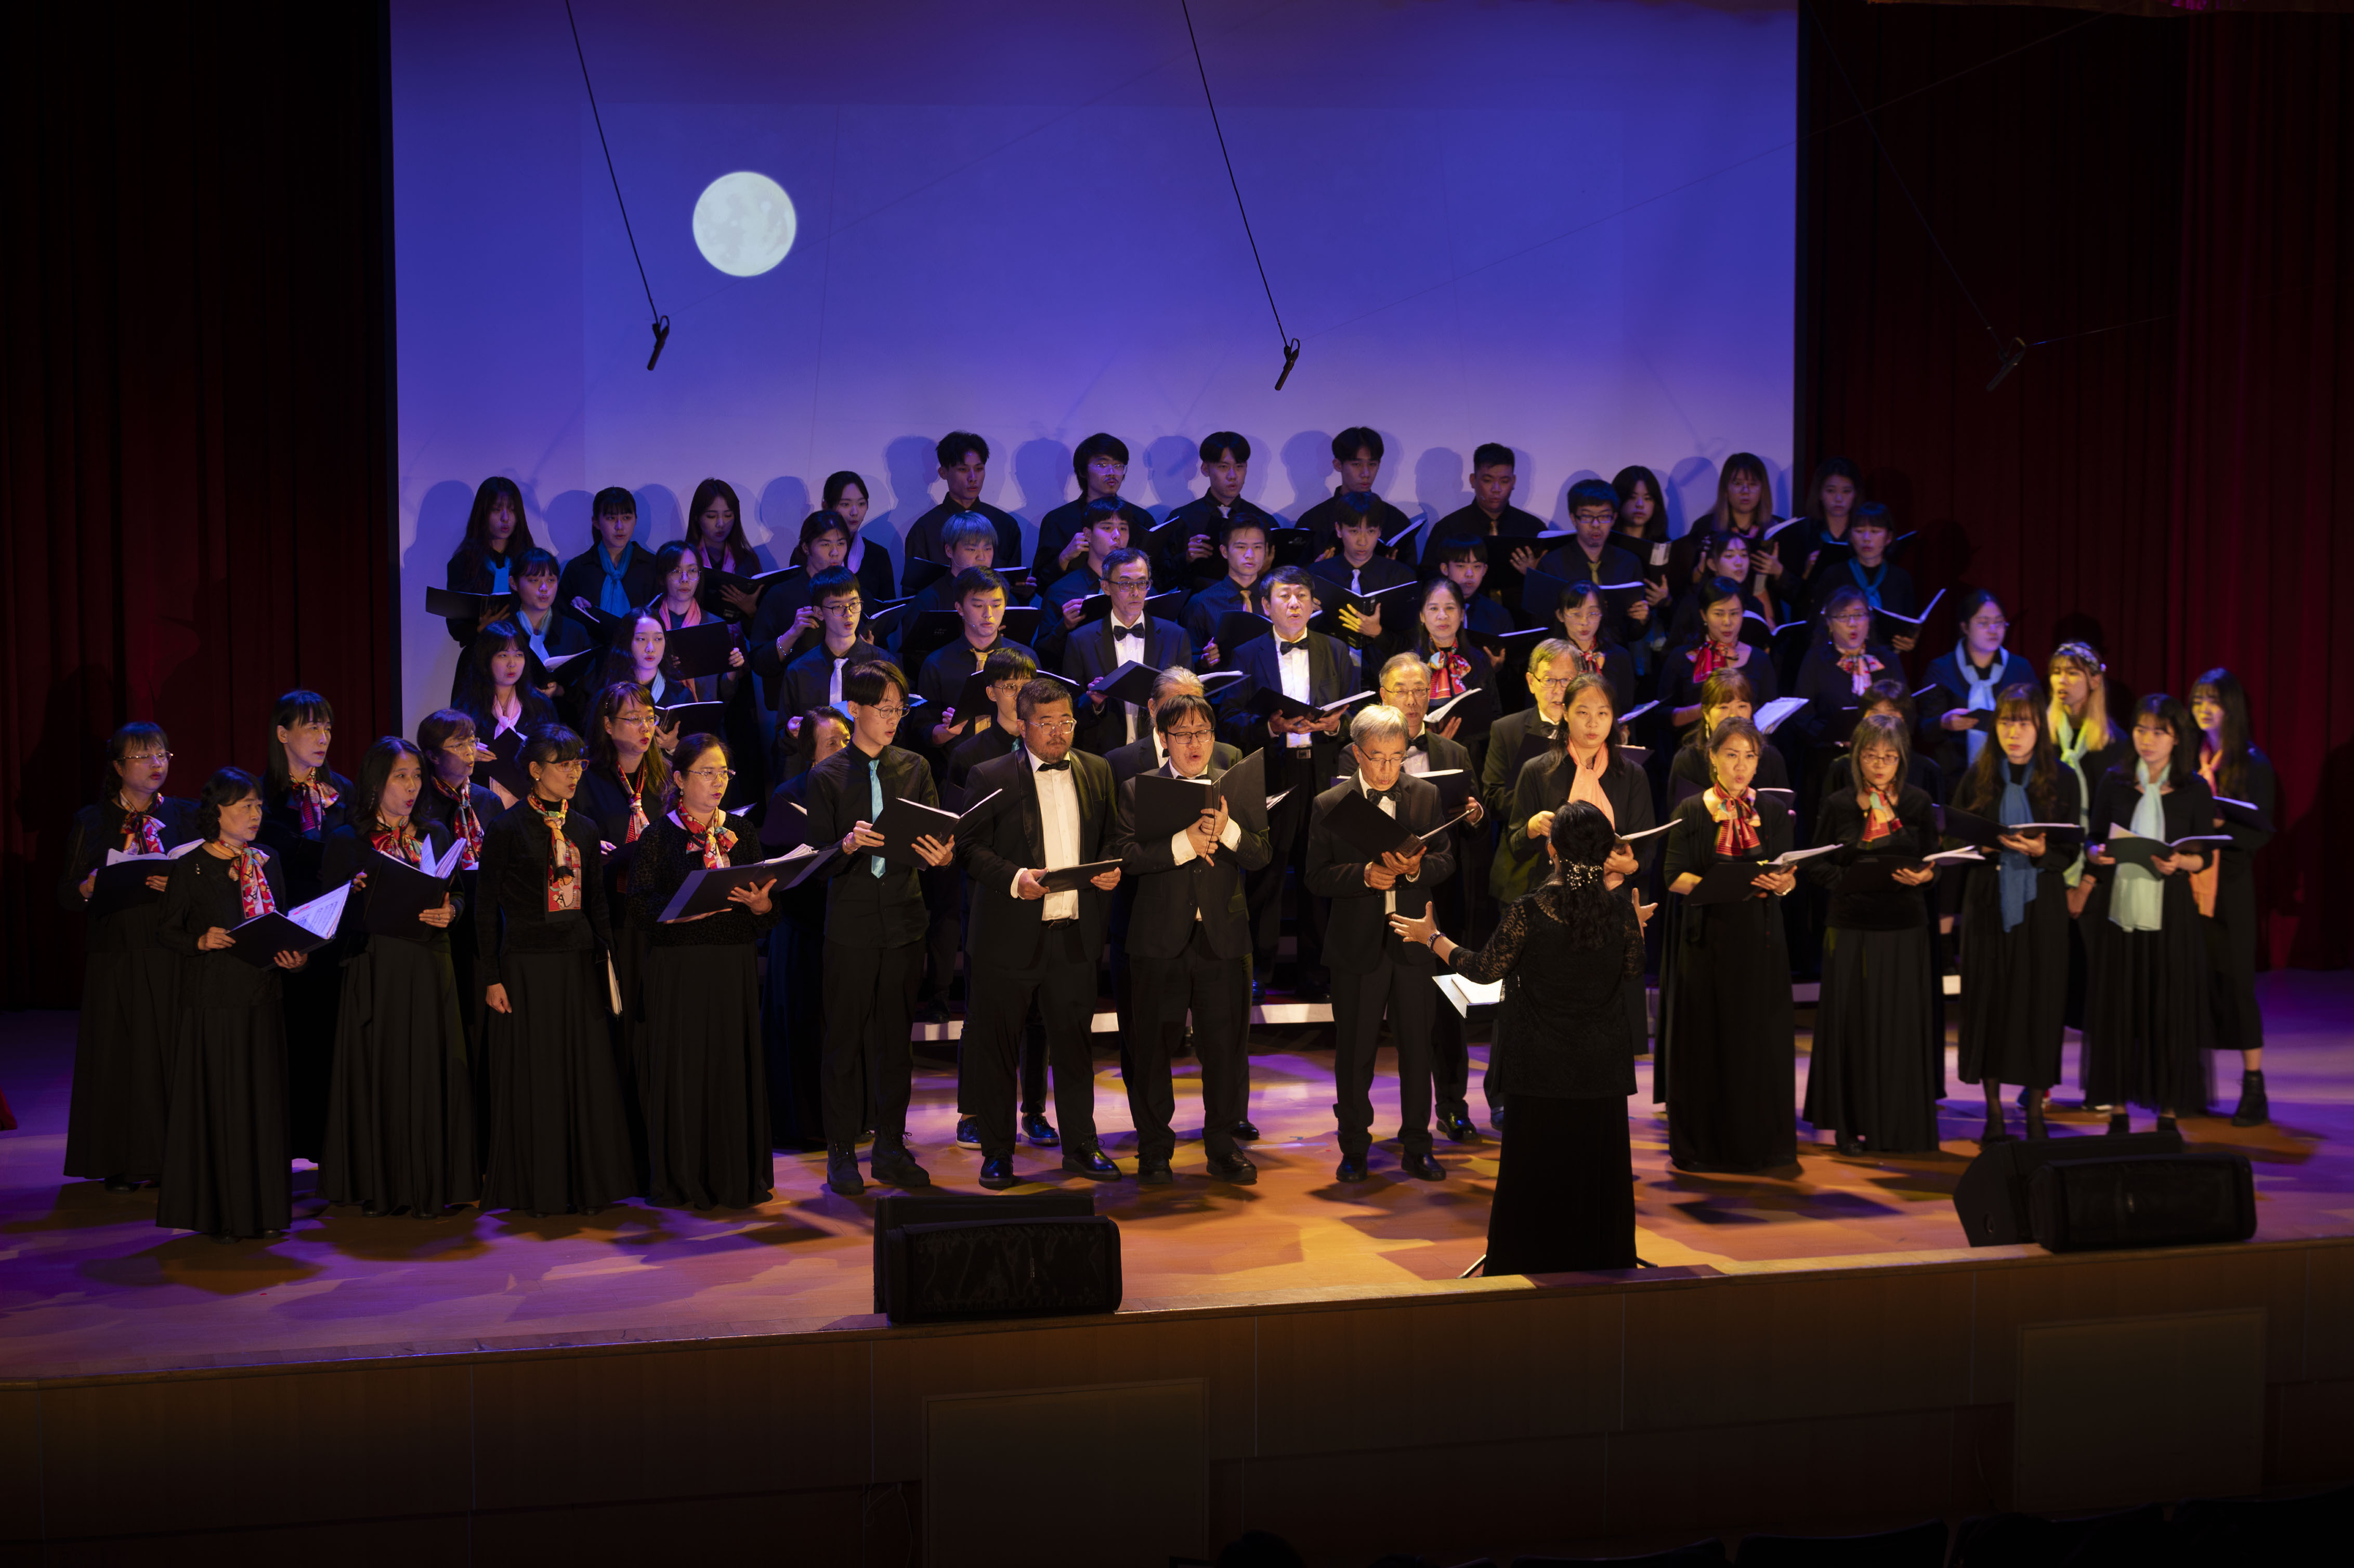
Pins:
<point x="1026" y="940"/>
<point x="1406" y="686"/>
<point x="1513" y="740"/>
<point x="964" y="466"/>
<point x="1126" y="635"/>
<point x="873" y="932"/>
<point x="1374" y="969"/>
<point x="1147" y="752"/>
<point x="1189" y="946"/>
<point x="1302" y="755"/>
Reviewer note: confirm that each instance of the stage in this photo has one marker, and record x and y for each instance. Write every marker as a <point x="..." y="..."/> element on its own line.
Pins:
<point x="1833" y="1309"/>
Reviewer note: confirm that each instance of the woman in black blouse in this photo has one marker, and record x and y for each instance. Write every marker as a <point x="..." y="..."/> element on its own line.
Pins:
<point x="400" y="1111"/>
<point x="1580" y="614"/>
<point x="846" y="496"/>
<point x="559" y="1139"/>
<point x="1727" y="1025"/>
<point x="622" y="793"/>
<point x="497" y="534"/>
<point x="1727" y="694"/>
<point x="2014" y="914"/>
<point x="465" y="810"/>
<point x="495" y="684"/>
<point x="1719" y="648"/>
<point x="1567" y="954"/>
<point x="706" y="1096"/>
<point x="715" y="533"/>
<point x="1878" y="1066"/>
<point x="2147" y="1023"/>
<point x="1457" y="665"/>
<point x="793" y="1018"/>
<point x="226" y="1163"/>
<point x="303" y="800"/>
<point x="2246" y="794"/>
<point x="129" y="984"/>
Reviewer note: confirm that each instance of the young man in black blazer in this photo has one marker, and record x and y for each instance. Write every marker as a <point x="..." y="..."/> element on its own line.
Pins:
<point x="873" y="931"/>
<point x="1092" y="653"/>
<point x="1374" y="969"/>
<point x="1508" y="532"/>
<point x="964" y="465"/>
<point x="1101" y="465"/>
<point x="1303" y="756"/>
<point x="1357" y="458"/>
<point x="1191" y="558"/>
<point x="815" y="678"/>
<point x="1026" y="941"/>
<point x="1189" y="945"/>
<point x="1590" y="558"/>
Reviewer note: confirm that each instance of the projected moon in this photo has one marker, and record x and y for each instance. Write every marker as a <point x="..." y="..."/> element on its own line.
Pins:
<point x="744" y="223"/>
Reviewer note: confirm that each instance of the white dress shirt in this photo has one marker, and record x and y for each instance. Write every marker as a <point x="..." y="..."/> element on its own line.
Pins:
<point x="1416" y="761"/>
<point x="1180" y="843"/>
<point x="1135" y="713"/>
<point x="1388" y="807"/>
<point x="1058" y="828"/>
<point x="1292" y="668"/>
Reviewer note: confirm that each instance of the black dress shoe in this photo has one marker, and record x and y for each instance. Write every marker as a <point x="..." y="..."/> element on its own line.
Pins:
<point x="1238" y="1170"/>
<point x="1458" y="1127"/>
<point x="1423" y="1166"/>
<point x="2254" y="1109"/>
<point x="122" y="1183"/>
<point x="1092" y="1163"/>
<point x="892" y="1165"/>
<point x="1040" y="1131"/>
<point x="969" y="1130"/>
<point x="1351" y="1169"/>
<point x="1847" y="1146"/>
<point x="841" y="1169"/>
<point x="997" y="1172"/>
<point x="1245" y="1131"/>
<point x="1154" y="1172"/>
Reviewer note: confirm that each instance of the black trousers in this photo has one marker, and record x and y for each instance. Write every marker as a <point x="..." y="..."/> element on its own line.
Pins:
<point x="866" y="997"/>
<point x="1288" y="834"/>
<point x="1218" y="992"/>
<point x="1359" y="1000"/>
<point x="944" y="901"/>
<point x="1451" y="1060"/>
<point x="1033" y="1066"/>
<point x="1064" y="986"/>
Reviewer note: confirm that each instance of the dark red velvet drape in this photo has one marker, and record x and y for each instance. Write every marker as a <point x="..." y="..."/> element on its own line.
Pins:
<point x="2167" y="489"/>
<point x="196" y="407"/>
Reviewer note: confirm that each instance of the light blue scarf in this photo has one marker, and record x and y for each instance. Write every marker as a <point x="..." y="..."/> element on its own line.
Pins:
<point x="2014" y="872"/>
<point x="1870" y="585"/>
<point x="1979" y="698"/>
<point x="2139" y="902"/>
<point x="613" y="595"/>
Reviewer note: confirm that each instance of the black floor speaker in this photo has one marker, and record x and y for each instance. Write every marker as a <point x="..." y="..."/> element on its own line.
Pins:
<point x="2157" y="1199"/>
<point x="1990" y="1198"/>
<point x="953" y="1257"/>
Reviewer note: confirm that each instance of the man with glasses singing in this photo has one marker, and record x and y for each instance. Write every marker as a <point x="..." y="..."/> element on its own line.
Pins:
<point x="1189" y="946"/>
<point x="1513" y="740"/>
<point x="873" y="930"/>
<point x="1028" y="940"/>
<point x="1126" y="635"/>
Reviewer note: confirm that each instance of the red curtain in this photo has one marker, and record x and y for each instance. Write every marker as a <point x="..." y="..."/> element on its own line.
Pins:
<point x="2153" y="204"/>
<point x="196" y="420"/>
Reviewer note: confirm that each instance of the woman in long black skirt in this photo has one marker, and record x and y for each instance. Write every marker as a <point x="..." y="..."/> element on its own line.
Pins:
<point x="2147" y="1025"/>
<point x="2088" y="744"/>
<point x="1732" y="1061"/>
<point x="2246" y="794"/>
<point x="2014" y="914"/>
<point x="400" y="1111"/>
<point x="793" y="1012"/>
<point x="621" y="792"/>
<point x="559" y="1138"/>
<point x="706" y="1093"/>
<point x="225" y="1156"/>
<point x="130" y="983"/>
<point x="303" y="800"/>
<point x="1566" y="954"/>
<point x="1879" y="1064"/>
<point x="465" y="810"/>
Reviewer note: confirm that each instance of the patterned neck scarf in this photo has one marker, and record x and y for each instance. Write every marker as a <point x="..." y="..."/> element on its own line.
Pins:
<point x="252" y="886"/>
<point x="713" y="839"/>
<point x="1860" y="668"/>
<point x="638" y="819"/>
<point x="1712" y="656"/>
<point x="2015" y="874"/>
<point x="143" y="833"/>
<point x="400" y="843"/>
<point x="1590" y="663"/>
<point x="313" y="796"/>
<point x="1879" y="813"/>
<point x="462" y="818"/>
<point x="1736" y="820"/>
<point x="2139" y="903"/>
<point x="2205" y="880"/>
<point x="563" y="858"/>
<point x="1450" y="674"/>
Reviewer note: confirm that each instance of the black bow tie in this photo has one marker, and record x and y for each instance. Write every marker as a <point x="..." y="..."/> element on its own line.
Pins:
<point x="1299" y="647"/>
<point x="1420" y="743"/>
<point x="1062" y="767"/>
<point x="1378" y="796"/>
<point x="1137" y="631"/>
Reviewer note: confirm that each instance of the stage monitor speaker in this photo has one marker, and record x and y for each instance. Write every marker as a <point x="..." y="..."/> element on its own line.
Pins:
<point x="945" y="1256"/>
<point x="2160" y="1200"/>
<point x="1990" y="1198"/>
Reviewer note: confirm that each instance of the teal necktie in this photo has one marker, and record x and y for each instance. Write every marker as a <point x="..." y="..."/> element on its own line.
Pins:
<point x="873" y="808"/>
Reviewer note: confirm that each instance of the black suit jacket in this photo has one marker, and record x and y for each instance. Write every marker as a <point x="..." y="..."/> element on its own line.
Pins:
<point x="1090" y="652"/>
<point x="1543" y="786"/>
<point x="1143" y="754"/>
<point x="1011" y="931"/>
<point x="1381" y="572"/>
<point x="1169" y="896"/>
<point x="1500" y="774"/>
<point x="809" y="676"/>
<point x="1057" y="528"/>
<point x="1357" y="934"/>
<point x="860" y="908"/>
<point x="1202" y="517"/>
<point x="1333" y="673"/>
<point x="923" y="536"/>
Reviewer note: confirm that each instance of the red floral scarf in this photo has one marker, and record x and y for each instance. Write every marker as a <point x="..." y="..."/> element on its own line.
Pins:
<point x="1710" y="656"/>
<point x="1879" y="813"/>
<point x="400" y="843"/>
<point x="143" y="832"/>
<point x="563" y="858"/>
<point x="313" y="796"/>
<point x="252" y="884"/>
<point x="1450" y="674"/>
<point x="466" y="822"/>
<point x="638" y="821"/>
<point x="1860" y="668"/>
<point x="714" y="840"/>
<point x="1736" y="819"/>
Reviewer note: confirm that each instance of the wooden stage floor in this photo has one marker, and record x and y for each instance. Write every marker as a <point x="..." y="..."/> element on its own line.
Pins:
<point x="88" y="1286"/>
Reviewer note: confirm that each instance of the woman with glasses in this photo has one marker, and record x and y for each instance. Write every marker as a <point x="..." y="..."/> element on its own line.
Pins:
<point x="1959" y="713"/>
<point x="559" y="1129"/>
<point x="706" y="1096"/>
<point x="622" y="793"/>
<point x="454" y="802"/>
<point x="130" y="984"/>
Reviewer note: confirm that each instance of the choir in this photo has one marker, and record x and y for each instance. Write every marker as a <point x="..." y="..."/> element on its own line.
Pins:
<point x="1180" y="761"/>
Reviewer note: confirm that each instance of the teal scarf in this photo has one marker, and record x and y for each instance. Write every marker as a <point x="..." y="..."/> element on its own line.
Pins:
<point x="2139" y="902"/>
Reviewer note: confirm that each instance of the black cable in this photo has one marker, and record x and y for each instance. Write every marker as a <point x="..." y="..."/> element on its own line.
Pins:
<point x="662" y="321"/>
<point x="1291" y="343"/>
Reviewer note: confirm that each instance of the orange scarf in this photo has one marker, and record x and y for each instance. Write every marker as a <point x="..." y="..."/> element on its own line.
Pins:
<point x="1736" y="819"/>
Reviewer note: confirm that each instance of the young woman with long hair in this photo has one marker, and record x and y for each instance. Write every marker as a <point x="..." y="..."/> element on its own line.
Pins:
<point x="303" y="801"/>
<point x="497" y="534"/>
<point x="2236" y="771"/>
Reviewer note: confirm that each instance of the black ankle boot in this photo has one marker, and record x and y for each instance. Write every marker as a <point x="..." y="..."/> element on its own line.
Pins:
<point x="2120" y="1125"/>
<point x="2255" y="1110"/>
<point x="841" y="1169"/>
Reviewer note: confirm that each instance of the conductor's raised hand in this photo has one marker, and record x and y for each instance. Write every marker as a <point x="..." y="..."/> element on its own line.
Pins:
<point x="1422" y="929"/>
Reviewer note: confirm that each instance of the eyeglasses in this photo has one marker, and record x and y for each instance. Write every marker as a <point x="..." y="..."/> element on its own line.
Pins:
<point x="1188" y="734"/>
<point x="573" y="766"/>
<point x="1552" y="683"/>
<point x="1854" y="618"/>
<point x="1983" y="624"/>
<point x="1127" y="582"/>
<point x="642" y="721"/>
<point x="711" y="775"/>
<point x="894" y="713"/>
<point x="148" y="757"/>
<point x="1051" y="726"/>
